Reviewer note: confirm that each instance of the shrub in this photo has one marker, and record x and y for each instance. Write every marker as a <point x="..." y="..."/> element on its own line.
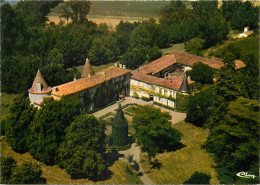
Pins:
<point x="130" y="158"/>
<point x="136" y="166"/>
<point x="145" y="98"/>
<point x="198" y="178"/>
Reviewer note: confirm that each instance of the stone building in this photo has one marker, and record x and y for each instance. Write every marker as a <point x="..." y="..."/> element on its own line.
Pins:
<point x="94" y="90"/>
<point x="162" y="79"/>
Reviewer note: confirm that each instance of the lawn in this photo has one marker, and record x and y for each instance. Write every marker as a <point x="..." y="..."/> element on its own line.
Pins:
<point x="178" y="166"/>
<point x="56" y="175"/>
<point x="178" y="47"/>
<point x="130" y="109"/>
<point x="6" y="101"/>
<point x="242" y="45"/>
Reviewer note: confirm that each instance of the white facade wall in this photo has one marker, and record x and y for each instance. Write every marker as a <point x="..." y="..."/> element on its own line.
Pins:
<point x="158" y="89"/>
<point x="34" y="97"/>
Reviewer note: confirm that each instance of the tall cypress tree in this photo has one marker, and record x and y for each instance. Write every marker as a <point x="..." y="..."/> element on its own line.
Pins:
<point x="120" y="128"/>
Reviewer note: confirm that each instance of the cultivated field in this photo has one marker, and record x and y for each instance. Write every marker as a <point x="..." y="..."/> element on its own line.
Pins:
<point x="111" y="21"/>
<point x="179" y="165"/>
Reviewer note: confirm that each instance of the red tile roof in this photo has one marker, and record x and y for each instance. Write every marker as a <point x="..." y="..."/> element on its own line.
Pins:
<point x="171" y="82"/>
<point x="85" y="83"/>
<point x="158" y="65"/>
<point x="145" y="72"/>
<point x="239" y="64"/>
<point x="190" y="59"/>
<point x="39" y="79"/>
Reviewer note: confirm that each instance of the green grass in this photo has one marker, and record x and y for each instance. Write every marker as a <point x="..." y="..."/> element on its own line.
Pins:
<point x="243" y="45"/>
<point x="130" y="109"/>
<point x="178" y="47"/>
<point x="56" y="175"/>
<point x="178" y="166"/>
<point x="6" y="101"/>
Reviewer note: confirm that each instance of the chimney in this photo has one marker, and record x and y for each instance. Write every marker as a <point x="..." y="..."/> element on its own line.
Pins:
<point x="246" y="29"/>
<point x="124" y="66"/>
<point x="120" y="65"/>
<point x="115" y="64"/>
<point x="75" y="79"/>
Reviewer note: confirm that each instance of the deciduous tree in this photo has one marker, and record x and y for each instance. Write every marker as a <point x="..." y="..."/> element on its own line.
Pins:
<point x="154" y="131"/>
<point x="202" y="73"/>
<point x="198" y="178"/>
<point x="234" y="141"/>
<point x="17" y="125"/>
<point x="81" y="154"/>
<point x="200" y="108"/>
<point x="47" y="132"/>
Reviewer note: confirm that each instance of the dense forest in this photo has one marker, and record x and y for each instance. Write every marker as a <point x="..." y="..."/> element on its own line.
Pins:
<point x="28" y="43"/>
<point x="225" y="102"/>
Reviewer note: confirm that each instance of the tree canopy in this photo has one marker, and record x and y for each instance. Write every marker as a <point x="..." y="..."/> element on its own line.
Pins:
<point x="198" y="178"/>
<point x="240" y="14"/>
<point x="200" y="108"/>
<point x="81" y="153"/>
<point x="235" y="140"/>
<point x="154" y="131"/>
<point x="47" y="131"/>
<point x="27" y="173"/>
<point x="202" y="73"/>
<point x="16" y="127"/>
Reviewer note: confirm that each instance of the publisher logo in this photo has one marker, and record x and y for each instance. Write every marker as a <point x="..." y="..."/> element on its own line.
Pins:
<point x="245" y="175"/>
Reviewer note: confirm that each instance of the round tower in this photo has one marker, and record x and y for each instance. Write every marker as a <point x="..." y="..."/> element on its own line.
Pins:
<point x="120" y="128"/>
<point x="39" y="89"/>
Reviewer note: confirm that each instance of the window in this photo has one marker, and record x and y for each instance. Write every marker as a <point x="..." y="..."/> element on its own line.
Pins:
<point x="165" y="91"/>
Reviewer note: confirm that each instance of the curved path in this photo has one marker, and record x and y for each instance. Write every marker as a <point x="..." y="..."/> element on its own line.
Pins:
<point x="135" y="150"/>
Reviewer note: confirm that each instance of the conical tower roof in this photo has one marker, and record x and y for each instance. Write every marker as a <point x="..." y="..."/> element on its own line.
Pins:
<point x="87" y="70"/>
<point x="184" y="85"/>
<point x="120" y="118"/>
<point x="39" y="85"/>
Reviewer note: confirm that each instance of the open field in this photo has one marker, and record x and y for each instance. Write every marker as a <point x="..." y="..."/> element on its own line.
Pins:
<point x="178" y="47"/>
<point x="111" y="21"/>
<point x="243" y="45"/>
<point x="178" y="166"/>
<point x="123" y="8"/>
<point x="56" y="175"/>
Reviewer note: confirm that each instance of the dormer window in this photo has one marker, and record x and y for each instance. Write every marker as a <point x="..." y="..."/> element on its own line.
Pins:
<point x="39" y="87"/>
